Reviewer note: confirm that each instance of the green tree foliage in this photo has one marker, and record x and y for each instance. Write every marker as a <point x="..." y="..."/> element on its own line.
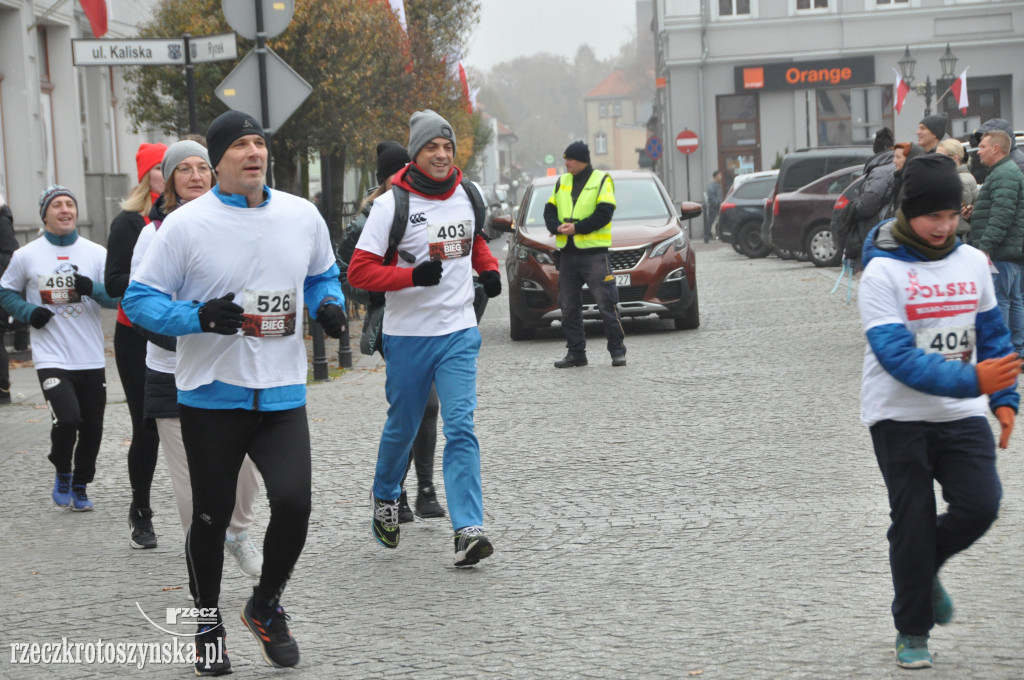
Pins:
<point x="367" y="79"/>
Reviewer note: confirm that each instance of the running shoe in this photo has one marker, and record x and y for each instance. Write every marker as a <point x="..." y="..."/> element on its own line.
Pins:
<point x="140" y="521"/>
<point x="249" y="559"/>
<point x="942" y="603"/>
<point x="912" y="651"/>
<point x="404" y="511"/>
<point x="62" y="489"/>
<point x="79" y="501"/>
<point x="270" y="629"/>
<point x="471" y="546"/>
<point x="426" y="502"/>
<point x="211" y="650"/>
<point x="385" y="521"/>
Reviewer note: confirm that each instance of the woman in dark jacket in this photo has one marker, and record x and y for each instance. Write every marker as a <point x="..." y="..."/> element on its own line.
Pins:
<point x="8" y="244"/>
<point x="129" y="346"/>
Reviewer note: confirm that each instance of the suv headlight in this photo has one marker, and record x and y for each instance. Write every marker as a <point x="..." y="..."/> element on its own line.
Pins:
<point x="678" y="241"/>
<point x="523" y="253"/>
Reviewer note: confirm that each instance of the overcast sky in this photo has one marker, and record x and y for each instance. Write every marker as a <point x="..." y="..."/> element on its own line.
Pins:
<point x="525" y="27"/>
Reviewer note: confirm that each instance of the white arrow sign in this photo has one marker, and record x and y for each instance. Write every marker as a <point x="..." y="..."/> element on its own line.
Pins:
<point x="131" y="52"/>
<point x="220" y="47"/>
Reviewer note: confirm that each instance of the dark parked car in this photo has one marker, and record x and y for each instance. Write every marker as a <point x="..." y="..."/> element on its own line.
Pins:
<point x="804" y="166"/>
<point x="742" y="211"/>
<point x="802" y="219"/>
<point x="651" y="257"/>
<point x="497" y="206"/>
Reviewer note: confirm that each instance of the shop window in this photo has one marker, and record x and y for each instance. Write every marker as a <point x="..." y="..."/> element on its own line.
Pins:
<point x="853" y="116"/>
<point x="600" y="143"/>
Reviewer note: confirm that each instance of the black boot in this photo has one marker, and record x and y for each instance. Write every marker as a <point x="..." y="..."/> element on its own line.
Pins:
<point x="426" y="503"/>
<point x="572" y="359"/>
<point x="404" y="511"/>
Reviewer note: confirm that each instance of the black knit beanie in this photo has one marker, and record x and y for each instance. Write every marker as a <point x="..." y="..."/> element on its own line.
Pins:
<point x="936" y="123"/>
<point x="578" y="151"/>
<point x="226" y="128"/>
<point x="930" y="184"/>
<point x="391" y="157"/>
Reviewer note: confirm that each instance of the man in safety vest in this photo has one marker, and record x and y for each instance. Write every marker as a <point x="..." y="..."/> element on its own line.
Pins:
<point x="579" y="214"/>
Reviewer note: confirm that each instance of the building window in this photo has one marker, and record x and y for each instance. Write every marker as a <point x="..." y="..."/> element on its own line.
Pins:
<point x="812" y="4"/>
<point x="729" y="8"/>
<point x="600" y="143"/>
<point x="602" y="110"/>
<point x="853" y="116"/>
<point x="888" y="4"/>
<point x="891" y="2"/>
<point x="618" y="110"/>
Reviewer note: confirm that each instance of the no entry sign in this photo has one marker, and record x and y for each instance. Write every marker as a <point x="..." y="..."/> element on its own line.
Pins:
<point x="687" y="141"/>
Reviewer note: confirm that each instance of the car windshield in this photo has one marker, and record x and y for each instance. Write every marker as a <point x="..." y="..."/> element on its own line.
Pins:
<point x="755" y="188"/>
<point x="635" y="199"/>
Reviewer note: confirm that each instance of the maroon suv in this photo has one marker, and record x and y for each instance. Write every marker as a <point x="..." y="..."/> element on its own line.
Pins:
<point x="650" y="256"/>
<point x="802" y="218"/>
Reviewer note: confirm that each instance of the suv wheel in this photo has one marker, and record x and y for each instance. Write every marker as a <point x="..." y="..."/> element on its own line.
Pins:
<point x="821" y="248"/>
<point x="691" y="319"/>
<point x="516" y="329"/>
<point x="749" y="242"/>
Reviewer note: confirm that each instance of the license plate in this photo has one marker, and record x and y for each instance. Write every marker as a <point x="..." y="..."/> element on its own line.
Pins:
<point x="622" y="279"/>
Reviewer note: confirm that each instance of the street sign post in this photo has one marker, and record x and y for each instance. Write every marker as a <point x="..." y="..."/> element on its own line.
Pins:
<point x="687" y="142"/>
<point x="653" y="148"/>
<point x="128" y="52"/>
<point x="240" y="15"/>
<point x="241" y="90"/>
<point x="220" y="47"/>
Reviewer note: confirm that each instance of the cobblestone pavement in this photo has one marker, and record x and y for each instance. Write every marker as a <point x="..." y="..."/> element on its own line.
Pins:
<point x="711" y="510"/>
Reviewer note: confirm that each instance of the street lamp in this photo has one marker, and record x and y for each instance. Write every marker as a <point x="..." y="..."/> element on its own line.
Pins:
<point x="926" y="89"/>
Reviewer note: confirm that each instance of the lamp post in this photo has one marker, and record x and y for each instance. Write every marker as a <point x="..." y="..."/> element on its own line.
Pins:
<point x="926" y="89"/>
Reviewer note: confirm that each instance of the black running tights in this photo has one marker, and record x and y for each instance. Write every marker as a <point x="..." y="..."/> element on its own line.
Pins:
<point x="130" y="355"/>
<point x="216" y="441"/>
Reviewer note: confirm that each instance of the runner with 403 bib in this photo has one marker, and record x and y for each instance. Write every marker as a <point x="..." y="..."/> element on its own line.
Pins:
<point x="257" y="257"/>
<point x="61" y="276"/>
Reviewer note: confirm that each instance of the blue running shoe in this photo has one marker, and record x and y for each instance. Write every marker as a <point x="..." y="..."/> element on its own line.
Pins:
<point x="79" y="501"/>
<point x="912" y="651"/>
<point x="942" y="603"/>
<point x="62" y="489"/>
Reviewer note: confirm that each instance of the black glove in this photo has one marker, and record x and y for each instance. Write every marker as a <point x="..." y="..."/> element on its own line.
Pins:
<point x="491" y="281"/>
<point x="40" y="315"/>
<point x="221" y="315"/>
<point x="83" y="284"/>
<point x="427" y="274"/>
<point x="333" y="319"/>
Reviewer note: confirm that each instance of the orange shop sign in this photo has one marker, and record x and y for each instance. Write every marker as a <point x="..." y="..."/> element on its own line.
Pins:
<point x="806" y="75"/>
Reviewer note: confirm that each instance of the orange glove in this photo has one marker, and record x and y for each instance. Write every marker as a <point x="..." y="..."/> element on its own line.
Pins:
<point x="998" y="374"/>
<point x="1006" y="418"/>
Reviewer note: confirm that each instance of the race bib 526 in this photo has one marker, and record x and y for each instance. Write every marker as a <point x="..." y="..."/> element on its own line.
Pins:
<point x="268" y="313"/>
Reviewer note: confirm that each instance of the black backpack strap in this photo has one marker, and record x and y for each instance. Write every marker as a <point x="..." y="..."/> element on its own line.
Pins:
<point x="399" y="222"/>
<point x="479" y="207"/>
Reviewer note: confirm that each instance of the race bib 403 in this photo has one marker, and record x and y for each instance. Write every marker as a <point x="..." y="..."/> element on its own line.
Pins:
<point x="450" y="240"/>
<point x="268" y="313"/>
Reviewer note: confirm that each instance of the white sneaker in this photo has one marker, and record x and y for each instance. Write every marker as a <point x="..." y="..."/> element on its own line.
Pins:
<point x="249" y="559"/>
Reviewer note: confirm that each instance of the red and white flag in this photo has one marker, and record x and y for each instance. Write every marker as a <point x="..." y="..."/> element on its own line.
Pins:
<point x="959" y="88"/>
<point x="96" y="12"/>
<point x="398" y="7"/>
<point x="901" y="92"/>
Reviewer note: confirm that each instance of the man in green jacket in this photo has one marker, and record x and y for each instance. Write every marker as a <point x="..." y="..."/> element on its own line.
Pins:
<point x="997" y="228"/>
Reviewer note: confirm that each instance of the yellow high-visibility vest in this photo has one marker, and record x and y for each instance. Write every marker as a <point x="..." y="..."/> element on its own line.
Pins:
<point x="596" y="190"/>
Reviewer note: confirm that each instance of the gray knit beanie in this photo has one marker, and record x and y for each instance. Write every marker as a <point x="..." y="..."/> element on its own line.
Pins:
<point x="178" y="152"/>
<point x="425" y="126"/>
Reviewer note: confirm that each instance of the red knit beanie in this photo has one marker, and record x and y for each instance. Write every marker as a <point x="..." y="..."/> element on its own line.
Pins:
<point x="148" y="156"/>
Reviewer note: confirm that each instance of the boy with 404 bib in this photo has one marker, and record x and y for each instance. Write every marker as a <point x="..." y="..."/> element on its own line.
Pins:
<point x="938" y="357"/>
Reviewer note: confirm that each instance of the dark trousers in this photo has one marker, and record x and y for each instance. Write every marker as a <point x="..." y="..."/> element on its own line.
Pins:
<point x="130" y="355"/>
<point x="423" y="447"/>
<point x="960" y="456"/>
<point x="216" y="441"/>
<point x="77" y="400"/>
<point x="574" y="269"/>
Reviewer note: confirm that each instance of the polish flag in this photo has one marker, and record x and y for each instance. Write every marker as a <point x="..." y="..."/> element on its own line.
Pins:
<point x="901" y="92"/>
<point x="464" y="81"/>
<point x="959" y="88"/>
<point x="96" y="11"/>
<point x="398" y="7"/>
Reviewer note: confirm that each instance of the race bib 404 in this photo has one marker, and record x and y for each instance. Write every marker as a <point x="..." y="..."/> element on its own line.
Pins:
<point x="58" y="289"/>
<point x="955" y="343"/>
<point x="450" y="240"/>
<point x="268" y="313"/>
